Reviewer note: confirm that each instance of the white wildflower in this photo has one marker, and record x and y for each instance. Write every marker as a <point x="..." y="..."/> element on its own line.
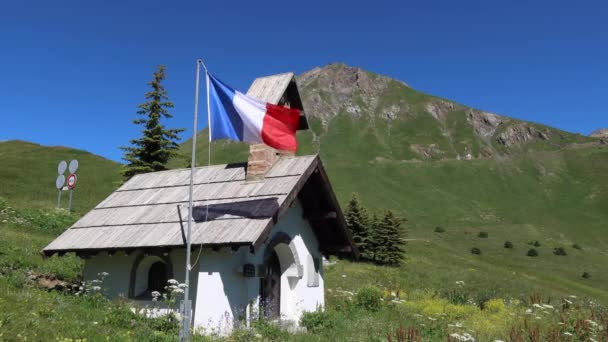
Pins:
<point x="344" y="276"/>
<point x="591" y="339"/>
<point x="105" y="274"/>
<point x="547" y="306"/>
<point x="172" y="282"/>
<point x="95" y="323"/>
<point x="178" y="290"/>
<point x="573" y="296"/>
<point x="432" y="319"/>
<point x="528" y="311"/>
<point x="182" y="286"/>
<point x="96" y="288"/>
<point x="537" y="306"/>
<point x="537" y="317"/>
<point x="567" y="333"/>
<point x="567" y="301"/>
<point x="155" y="294"/>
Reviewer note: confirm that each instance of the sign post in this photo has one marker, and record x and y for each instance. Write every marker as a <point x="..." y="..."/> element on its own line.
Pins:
<point x="72" y="180"/>
<point x="60" y="181"/>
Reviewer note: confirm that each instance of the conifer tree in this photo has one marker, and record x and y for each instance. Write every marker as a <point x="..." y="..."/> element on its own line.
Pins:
<point x="152" y="151"/>
<point x="357" y="220"/>
<point x="388" y="240"/>
<point x="373" y="240"/>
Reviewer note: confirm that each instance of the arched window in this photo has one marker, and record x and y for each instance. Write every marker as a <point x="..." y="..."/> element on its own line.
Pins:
<point x="157" y="277"/>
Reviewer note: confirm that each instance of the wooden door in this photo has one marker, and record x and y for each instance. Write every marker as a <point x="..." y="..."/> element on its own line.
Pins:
<point x="271" y="288"/>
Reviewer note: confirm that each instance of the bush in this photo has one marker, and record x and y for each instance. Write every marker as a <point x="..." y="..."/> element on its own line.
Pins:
<point x="482" y="235"/>
<point x="536" y="243"/>
<point x="508" y="244"/>
<point x="439" y="229"/>
<point x="559" y="251"/>
<point x="576" y="246"/>
<point x="532" y="252"/>
<point x="368" y="298"/>
<point x="586" y="275"/>
<point x="315" y="321"/>
<point x="476" y="251"/>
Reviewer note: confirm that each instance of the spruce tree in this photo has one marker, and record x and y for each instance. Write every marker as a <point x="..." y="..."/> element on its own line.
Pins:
<point x="388" y="240"/>
<point x="357" y="220"/>
<point x="374" y="239"/>
<point x="152" y="151"/>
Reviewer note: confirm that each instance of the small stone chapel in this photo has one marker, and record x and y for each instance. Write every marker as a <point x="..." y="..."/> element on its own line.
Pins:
<point x="260" y="231"/>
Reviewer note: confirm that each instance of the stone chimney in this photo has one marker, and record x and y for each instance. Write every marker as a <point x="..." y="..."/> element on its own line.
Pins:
<point x="281" y="90"/>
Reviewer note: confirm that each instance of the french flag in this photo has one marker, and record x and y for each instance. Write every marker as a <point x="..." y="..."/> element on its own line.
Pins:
<point x="239" y="117"/>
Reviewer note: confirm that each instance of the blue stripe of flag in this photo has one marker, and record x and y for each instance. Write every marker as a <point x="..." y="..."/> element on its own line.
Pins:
<point x="226" y="123"/>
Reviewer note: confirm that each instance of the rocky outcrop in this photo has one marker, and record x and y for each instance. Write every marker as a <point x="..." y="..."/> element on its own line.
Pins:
<point x="338" y="88"/>
<point x="600" y="133"/>
<point x="519" y="134"/>
<point x="484" y="123"/>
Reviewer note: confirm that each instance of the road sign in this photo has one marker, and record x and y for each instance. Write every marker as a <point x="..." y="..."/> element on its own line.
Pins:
<point x="59" y="181"/>
<point x="61" y="167"/>
<point x="73" y="166"/>
<point x="72" y="179"/>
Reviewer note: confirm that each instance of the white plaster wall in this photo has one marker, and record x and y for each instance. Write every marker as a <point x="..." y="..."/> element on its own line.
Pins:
<point x="119" y="267"/>
<point x="224" y="294"/>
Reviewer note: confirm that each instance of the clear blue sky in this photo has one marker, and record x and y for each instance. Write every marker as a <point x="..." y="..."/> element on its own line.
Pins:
<point x="73" y="72"/>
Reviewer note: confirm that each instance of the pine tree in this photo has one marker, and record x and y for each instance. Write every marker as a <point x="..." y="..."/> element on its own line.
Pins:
<point x="152" y="151"/>
<point x="357" y="220"/>
<point x="388" y="240"/>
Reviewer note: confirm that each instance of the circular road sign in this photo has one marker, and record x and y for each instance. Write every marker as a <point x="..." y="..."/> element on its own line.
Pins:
<point x="61" y="167"/>
<point x="60" y="181"/>
<point x="73" y="166"/>
<point x="72" y="179"/>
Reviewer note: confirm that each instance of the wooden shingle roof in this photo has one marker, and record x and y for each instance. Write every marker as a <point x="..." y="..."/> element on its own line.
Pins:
<point x="150" y="210"/>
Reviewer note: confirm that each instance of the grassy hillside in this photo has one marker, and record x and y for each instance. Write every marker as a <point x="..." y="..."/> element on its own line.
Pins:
<point x="28" y="172"/>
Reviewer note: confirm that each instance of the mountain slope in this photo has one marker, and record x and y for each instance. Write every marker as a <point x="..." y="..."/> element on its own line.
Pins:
<point x="437" y="162"/>
<point x="28" y="172"/>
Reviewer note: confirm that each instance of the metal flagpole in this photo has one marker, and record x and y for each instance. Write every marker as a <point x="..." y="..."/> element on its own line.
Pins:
<point x="186" y="306"/>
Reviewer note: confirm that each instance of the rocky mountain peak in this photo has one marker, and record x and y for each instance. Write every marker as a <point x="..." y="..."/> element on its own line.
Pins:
<point x="600" y="133"/>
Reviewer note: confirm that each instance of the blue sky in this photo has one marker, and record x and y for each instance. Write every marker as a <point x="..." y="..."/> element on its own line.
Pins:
<point x="73" y="72"/>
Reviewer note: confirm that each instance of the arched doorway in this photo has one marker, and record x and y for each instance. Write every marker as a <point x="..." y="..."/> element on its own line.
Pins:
<point x="271" y="287"/>
<point x="157" y="277"/>
<point x="282" y="271"/>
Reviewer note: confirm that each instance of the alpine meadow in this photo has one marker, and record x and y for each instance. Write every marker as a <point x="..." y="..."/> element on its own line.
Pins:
<point x="475" y="192"/>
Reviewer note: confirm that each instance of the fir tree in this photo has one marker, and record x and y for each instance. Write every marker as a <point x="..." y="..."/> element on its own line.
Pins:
<point x="152" y="151"/>
<point x="388" y="240"/>
<point x="373" y="240"/>
<point x="357" y="220"/>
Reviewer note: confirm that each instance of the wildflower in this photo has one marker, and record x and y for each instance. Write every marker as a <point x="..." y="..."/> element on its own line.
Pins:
<point x="567" y="301"/>
<point x="537" y="317"/>
<point x="567" y="333"/>
<point x="105" y="274"/>
<point x="155" y="294"/>
<point x="572" y="296"/>
<point x="547" y="306"/>
<point x="432" y="319"/>
<point x="344" y="276"/>
<point x="95" y="323"/>
<point x="96" y="288"/>
<point x="182" y="286"/>
<point x="172" y="282"/>
<point x="537" y="306"/>
<point x="178" y="290"/>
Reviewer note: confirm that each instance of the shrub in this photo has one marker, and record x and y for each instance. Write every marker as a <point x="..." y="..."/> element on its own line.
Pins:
<point x="495" y="305"/>
<point x="536" y="243"/>
<point x="269" y="330"/>
<point x="439" y="229"/>
<point x="315" y="321"/>
<point x="368" y="298"/>
<point x="482" y="235"/>
<point x="532" y="252"/>
<point x="476" y="251"/>
<point x="508" y="244"/>
<point x="559" y="251"/>
<point x="586" y="275"/>
<point x="576" y="246"/>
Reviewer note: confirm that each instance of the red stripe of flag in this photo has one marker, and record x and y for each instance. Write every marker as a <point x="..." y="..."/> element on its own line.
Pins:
<point x="280" y="126"/>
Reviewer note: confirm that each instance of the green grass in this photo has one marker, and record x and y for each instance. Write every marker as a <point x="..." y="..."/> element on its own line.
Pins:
<point x="28" y="173"/>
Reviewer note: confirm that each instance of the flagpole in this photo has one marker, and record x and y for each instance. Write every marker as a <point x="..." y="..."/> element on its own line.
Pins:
<point x="187" y="308"/>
